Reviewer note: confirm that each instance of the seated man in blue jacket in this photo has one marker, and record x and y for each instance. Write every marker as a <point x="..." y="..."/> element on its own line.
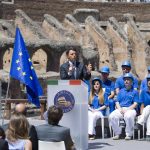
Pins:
<point x="108" y="86"/>
<point x="127" y="100"/>
<point x="144" y="82"/>
<point x="119" y="84"/>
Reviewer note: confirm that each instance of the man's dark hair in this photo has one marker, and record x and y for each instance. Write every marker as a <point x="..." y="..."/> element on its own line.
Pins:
<point x="54" y="114"/>
<point x="70" y="48"/>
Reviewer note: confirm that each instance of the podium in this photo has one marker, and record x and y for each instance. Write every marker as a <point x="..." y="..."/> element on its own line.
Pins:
<point x="72" y="96"/>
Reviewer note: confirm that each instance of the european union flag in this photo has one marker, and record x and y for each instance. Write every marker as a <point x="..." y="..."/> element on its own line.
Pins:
<point x="22" y="70"/>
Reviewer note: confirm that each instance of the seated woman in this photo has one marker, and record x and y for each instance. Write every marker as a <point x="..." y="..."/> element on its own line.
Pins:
<point x="17" y="133"/>
<point x="3" y="142"/>
<point x="98" y="102"/>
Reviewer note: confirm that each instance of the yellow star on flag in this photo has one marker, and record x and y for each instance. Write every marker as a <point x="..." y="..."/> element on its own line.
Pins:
<point x="17" y="61"/>
<point x="20" y="53"/>
<point x="31" y="78"/>
<point x="24" y="73"/>
<point x="18" y="68"/>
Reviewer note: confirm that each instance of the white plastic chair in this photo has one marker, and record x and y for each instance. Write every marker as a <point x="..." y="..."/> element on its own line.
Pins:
<point x="103" y="126"/>
<point x="46" y="145"/>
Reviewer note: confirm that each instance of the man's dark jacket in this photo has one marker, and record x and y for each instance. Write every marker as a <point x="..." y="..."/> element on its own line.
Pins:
<point x="81" y="72"/>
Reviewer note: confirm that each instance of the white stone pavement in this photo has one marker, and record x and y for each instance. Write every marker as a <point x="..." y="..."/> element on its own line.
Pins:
<point x="109" y="144"/>
<point x="105" y="144"/>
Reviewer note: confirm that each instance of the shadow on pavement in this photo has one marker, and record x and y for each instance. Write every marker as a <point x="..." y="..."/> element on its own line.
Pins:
<point x="97" y="145"/>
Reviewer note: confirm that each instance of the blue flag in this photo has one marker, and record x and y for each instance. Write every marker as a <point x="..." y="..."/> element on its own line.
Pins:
<point x="22" y="70"/>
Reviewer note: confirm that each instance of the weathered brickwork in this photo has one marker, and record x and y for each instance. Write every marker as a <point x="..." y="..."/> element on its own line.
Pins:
<point x="59" y="9"/>
<point x="103" y="34"/>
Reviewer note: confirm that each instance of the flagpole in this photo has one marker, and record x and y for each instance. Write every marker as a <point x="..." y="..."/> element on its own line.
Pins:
<point x="5" y="101"/>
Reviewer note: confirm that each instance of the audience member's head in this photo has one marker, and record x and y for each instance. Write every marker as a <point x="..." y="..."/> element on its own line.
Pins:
<point x="104" y="72"/>
<point x="128" y="80"/>
<point x="17" y="128"/>
<point x="96" y="85"/>
<point x="20" y="108"/>
<point x="126" y="67"/>
<point x="96" y="88"/>
<point x="54" y="114"/>
<point x="2" y="133"/>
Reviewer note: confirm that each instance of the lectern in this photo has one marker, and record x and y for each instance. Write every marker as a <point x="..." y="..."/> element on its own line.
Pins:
<point x="72" y="96"/>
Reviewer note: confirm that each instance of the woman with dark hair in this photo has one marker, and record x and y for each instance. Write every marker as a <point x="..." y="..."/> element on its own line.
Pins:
<point x="17" y="133"/>
<point x="3" y="142"/>
<point x="98" y="102"/>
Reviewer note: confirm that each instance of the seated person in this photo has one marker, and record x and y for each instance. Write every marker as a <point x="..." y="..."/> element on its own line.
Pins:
<point x="145" y="109"/>
<point x="144" y="82"/>
<point x="17" y="133"/>
<point x="119" y="84"/>
<point x="98" y="101"/>
<point x="127" y="100"/>
<point x="108" y="86"/>
<point x="54" y="132"/>
<point x="21" y="108"/>
<point x="3" y="142"/>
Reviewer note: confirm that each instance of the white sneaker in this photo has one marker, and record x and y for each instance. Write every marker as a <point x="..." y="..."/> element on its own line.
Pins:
<point x="128" y="138"/>
<point x="116" y="137"/>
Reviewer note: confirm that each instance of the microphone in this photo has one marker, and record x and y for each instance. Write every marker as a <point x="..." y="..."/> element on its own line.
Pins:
<point x="75" y="73"/>
<point x="71" y="68"/>
<point x="75" y="69"/>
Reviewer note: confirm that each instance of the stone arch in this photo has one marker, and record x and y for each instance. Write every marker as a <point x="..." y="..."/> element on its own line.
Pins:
<point x="53" y="60"/>
<point x="63" y="58"/>
<point x="39" y="60"/>
<point x="7" y="59"/>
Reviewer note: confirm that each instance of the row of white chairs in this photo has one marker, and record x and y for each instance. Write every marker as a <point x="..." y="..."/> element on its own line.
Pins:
<point x="110" y="128"/>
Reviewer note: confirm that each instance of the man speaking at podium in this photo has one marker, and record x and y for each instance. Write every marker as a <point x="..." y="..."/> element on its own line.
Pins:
<point x="73" y="69"/>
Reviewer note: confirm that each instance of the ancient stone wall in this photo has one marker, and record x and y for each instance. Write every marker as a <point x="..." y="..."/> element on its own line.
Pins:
<point x="100" y="40"/>
<point x="139" y="45"/>
<point x="119" y="41"/>
<point x="59" y="9"/>
<point x="108" y="42"/>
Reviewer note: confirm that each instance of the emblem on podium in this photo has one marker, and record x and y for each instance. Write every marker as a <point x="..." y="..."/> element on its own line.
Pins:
<point x="65" y="100"/>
